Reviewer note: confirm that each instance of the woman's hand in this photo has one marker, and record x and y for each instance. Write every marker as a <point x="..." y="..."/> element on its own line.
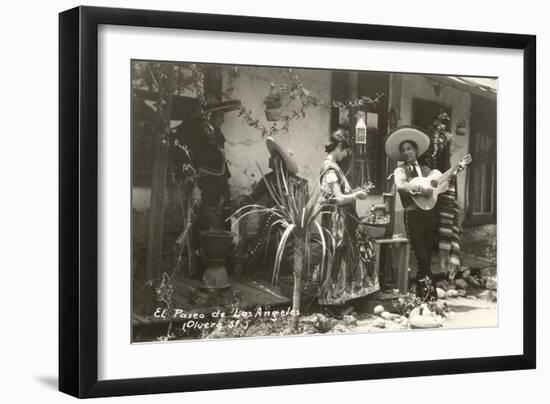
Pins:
<point x="361" y="195"/>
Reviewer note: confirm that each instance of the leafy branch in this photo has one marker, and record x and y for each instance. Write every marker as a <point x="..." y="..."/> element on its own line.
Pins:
<point x="358" y="102"/>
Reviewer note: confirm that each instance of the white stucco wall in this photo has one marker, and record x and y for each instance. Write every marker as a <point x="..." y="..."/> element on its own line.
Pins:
<point x="245" y="145"/>
<point x="306" y="139"/>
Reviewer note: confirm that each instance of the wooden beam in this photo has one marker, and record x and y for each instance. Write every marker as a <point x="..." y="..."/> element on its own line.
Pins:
<point x="465" y="86"/>
<point x="160" y="166"/>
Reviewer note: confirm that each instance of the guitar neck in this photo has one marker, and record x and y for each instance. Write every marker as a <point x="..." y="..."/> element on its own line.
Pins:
<point x="447" y="174"/>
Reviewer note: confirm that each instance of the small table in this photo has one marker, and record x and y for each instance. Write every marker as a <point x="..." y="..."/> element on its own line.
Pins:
<point x="394" y="276"/>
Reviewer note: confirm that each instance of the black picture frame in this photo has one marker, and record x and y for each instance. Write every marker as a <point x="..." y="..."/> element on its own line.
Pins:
<point x="78" y="200"/>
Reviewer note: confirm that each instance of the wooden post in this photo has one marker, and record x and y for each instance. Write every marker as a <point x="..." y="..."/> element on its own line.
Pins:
<point x="212" y="83"/>
<point x="160" y="165"/>
<point x="403" y="276"/>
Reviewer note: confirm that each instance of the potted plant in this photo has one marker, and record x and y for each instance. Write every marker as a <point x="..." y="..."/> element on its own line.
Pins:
<point x="273" y="103"/>
<point x="298" y="214"/>
<point x="377" y="221"/>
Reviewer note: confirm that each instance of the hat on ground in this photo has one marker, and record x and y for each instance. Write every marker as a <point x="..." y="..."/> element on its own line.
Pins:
<point x="286" y="155"/>
<point x="401" y="135"/>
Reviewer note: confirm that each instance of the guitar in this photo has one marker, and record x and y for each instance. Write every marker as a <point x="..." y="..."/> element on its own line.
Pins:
<point x="438" y="182"/>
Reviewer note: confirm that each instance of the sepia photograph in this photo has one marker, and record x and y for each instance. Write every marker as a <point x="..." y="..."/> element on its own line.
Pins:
<point x="282" y="201"/>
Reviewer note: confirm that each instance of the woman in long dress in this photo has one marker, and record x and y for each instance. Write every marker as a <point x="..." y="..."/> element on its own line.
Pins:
<point x="352" y="273"/>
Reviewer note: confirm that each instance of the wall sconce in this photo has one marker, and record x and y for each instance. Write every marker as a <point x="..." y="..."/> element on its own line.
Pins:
<point x="437" y="89"/>
<point x="461" y="129"/>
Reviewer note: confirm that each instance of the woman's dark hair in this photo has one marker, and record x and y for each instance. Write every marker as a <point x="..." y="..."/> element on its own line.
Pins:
<point x="339" y="136"/>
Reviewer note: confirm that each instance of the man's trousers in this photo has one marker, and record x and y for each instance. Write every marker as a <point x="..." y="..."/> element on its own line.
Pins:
<point x="420" y="225"/>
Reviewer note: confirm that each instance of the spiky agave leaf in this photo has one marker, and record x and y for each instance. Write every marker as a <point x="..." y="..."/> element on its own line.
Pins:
<point x="298" y="213"/>
<point x="280" y="250"/>
<point x="250" y="209"/>
<point x="323" y="246"/>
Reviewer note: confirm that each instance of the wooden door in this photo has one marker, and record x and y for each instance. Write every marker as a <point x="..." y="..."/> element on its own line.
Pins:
<point x="368" y="162"/>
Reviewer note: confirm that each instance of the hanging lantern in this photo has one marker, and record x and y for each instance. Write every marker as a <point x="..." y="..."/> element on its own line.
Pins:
<point x="360" y="129"/>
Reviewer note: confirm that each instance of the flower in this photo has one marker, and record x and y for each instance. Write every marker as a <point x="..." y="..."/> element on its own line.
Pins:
<point x="377" y="216"/>
<point x="440" y="137"/>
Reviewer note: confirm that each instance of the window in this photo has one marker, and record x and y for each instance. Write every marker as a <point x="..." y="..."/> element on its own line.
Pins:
<point x="482" y="172"/>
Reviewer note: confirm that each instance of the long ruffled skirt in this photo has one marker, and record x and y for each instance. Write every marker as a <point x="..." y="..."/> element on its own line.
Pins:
<point x="353" y="273"/>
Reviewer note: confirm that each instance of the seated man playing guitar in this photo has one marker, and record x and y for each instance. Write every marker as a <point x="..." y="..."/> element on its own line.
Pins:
<point x="418" y="187"/>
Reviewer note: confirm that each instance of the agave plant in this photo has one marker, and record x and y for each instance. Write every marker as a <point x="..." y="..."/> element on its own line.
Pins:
<point x="298" y="214"/>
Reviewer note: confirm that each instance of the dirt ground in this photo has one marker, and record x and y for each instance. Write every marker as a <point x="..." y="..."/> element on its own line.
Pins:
<point x="459" y="312"/>
<point x="464" y="313"/>
<point x="472" y="313"/>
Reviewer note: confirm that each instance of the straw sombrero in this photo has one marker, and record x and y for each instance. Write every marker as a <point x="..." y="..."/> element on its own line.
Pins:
<point x="400" y="135"/>
<point x="209" y="108"/>
<point x="286" y="155"/>
<point x="224" y="106"/>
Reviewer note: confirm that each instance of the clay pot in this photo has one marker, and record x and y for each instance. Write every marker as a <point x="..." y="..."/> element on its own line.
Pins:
<point x="215" y="246"/>
<point x="273" y="114"/>
<point x="376" y="230"/>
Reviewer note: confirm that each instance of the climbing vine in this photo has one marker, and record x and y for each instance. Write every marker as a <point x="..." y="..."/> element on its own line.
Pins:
<point x="296" y="99"/>
<point x="440" y="138"/>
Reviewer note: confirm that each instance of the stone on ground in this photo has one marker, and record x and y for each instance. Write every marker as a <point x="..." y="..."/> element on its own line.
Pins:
<point x="424" y="322"/>
<point x="461" y="284"/>
<point x="491" y="284"/>
<point x="386" y="315"/>
<point x="452" y="293"/>
<point x="485" y="295"/>
<point x="380" y="323"/>
<point x="340" y="328"/>
<point x="349" y="320"/>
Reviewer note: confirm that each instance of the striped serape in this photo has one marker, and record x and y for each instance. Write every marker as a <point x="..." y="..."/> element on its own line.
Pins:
<point x="448" y="226"/>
